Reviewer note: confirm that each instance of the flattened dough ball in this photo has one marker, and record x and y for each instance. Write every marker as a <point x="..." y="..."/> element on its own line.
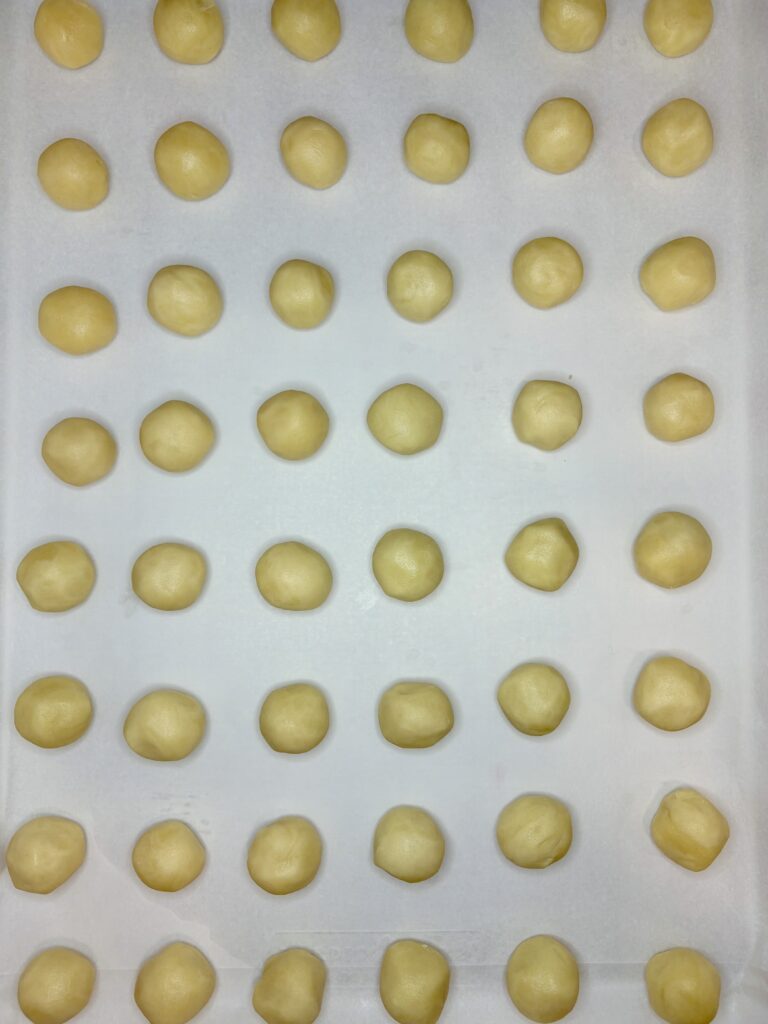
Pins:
<point x="419" y="285"/>
<point x="175" y="984"/>
<point x="672" y="550"/>
<point x="408" y="565"/>
<point x="671" y="694"/>
<point x="408" y="844"/>
<point x="309" y="29"/>
<point x="176" y="436"/>
<point x="678" y="27"/>
<point x="189" y="31"/>
<point x="406" y="419"/>
<point x="169" y="577"/>
<point x="77" y="320"/>
<point x="543" y="979"/>
<point x="440" y="30"/>
<point x="70" y="32"/>
<point x="543" y="554"/>
<point x="436" y="148"/>
<point x="79" y="451"/>
<point x="56" y="576"/>
<point x="44" y="853"/>
<point x="294" y="718"/>
<point x="165" y="725"/>
<point x="293" y="576"/>
<point x="546" y="414"/>
<point x="314" y="152"/>
<point x="678" y="407"/>
<point x="185" y="300"/>
<point x="73" y="174"/>
<point x="291" y="988"/>
<point x="415" y="715"/>
<point x="678" y="274"/>
<point x="191" y="162"/>
<point x="53" y="711"/>
<point x="689" y="829"/>
<point x="572" y="25"/>
<point x="414" y="979"/>
<point x="56" y="985"/>
<point x="534" y="831"/>
<point x="677" y="139"/>
<point x="301" y="294"/>
<point x="168" y="856"/>
<point x="535" y="698"/>
<point x="547" y="272"/>
<point x="293" y="424"/>
<point x="683" y="986"/>
<point x="559" y="135"/>
<point x="285" y="855"/>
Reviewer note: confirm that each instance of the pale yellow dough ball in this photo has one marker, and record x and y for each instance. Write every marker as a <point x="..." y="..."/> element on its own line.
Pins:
<point x="73" y="174"/>
<point x="165" y="725"/>
<point x="672" y="550"/>
<point x="191" y="162"/>
<point x="406" y="419"/>
<point x="678" y="407"/>
<point x="543" y="979"/>
<point x="559" y="135"/>
<point x="415" y="715"/>
<point x="77" y="320"/>
<point x="44" y="853"/>
<point x="677" y="139"/>
<point x="534" y="831"/>
<point x="176" y="436"/>
<point x="572" y="25"/>
<point x="414" y="979"/>
<point x="53" y="711"/>
<point x="408" y="844"/>
<point x="309" y="29"/>
<point x="56" y="985"/>
<point x="294" y="718"/>
<point x="547" y="272"/>
<point x="189" y="31"/>
<point x="301" y="294"/>
<point x="543" y="554"/>
<point x="56" y="576"/>
<point x="419" y="285"/>
<point x="440" y="30"/>
<point x="174" y="985"/>
<point x="285" y="855"/>
<point x="436" y="148"/>
<point x="293" y="424"/>
<point x="546" y="414"/>
<point x="408" y="565"/>
<point x="689" y="829"/>
<point x="169" y="577"/>
<point x="293" y="577"/>
<point x="168" y="856"/>
<point x="185" y="300"/>
<point x="314" y="152"/>
<point x="683" y="986"/>
<point x="535" y="698"/>
<point x="291" y="988"/>
<point x="678" y="27"/>
<point x="79" y="451"/>
<point x="678" y="274"/>
<point x="671" y="694"/>
<point x="70" y="32"/>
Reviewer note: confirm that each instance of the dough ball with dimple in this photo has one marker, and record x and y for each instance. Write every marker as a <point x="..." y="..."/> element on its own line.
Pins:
<point x="168" y="856"/>
<point x="79" y="451"/>
<point x="176" y="436"/>
<point x="185" y="300"/>
<point x="678" y="274"/>
<point x="70" y="32"/>
<point x="677" y="139"/>
<point x="543" y="979"/>
<point x="44" y="853"/>
<point x="294" y="718"/>
<point x="189" y="31"/>
<point x="543" y="554"/>
<point x="285" y="855"/>
<point x="56" y="985"/>
<point x="678" y="407"/>
<point x="291" y="988"/>
<point x="419" y="285"/>
<point x="165" y="725"/>
<point x="546" y="414"/>
<point x="408" y="565"/>
<point x="683" y="986"/>
<point x="175" y="984"/>
<point x="689" y="829"/>
<point x="191" y="162"/>
<point x="414" y="979"/>
<point x="293" y="424"/>
<point x="169" y="577"/>
<point x="436" y="148"/>
<point x="408" y="844"/>
<point x="77" y="320"/>
<point x="671" y="694"/>
<point x="678" y="27"/>
<point x="672" y="550"/>
<point x="415" y="715"/>
<point x="314" y="152"/>
<point x="56" y="576"/>
<point x="535" y="698"/>
<point x="572" y="25"/>
<point x="559" y="135"/>
<point x="73" y="174"/>
<point x="309" y="29"/>
<point x="440" y="30"/>
<point x="406" y="419"/>
<point x="547" y="272"/>
<point x="301" y="294"/>
<point x="534" y="831"/>
<point x="293" y="577"/>
<point x="53" y="711"/>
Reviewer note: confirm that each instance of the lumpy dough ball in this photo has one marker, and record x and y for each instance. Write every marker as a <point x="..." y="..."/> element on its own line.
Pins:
<point x="419" y="285"/>
<point x="57" y="576"/>
<point x="547" y="272"/>
<point x="535" y="698"/>
<point x="546" y="414"/>
<point x="406" y="419"/>
<point x="683" y="986"/>
<point x="56" y="985"/>
<point x="679" y="274"/>
<point x="70" y="32"/>
<point x="77" y="320"/>
<point x="534" y="831"/>
<point x="572" y="25"/>
<point x="174" y="985"/>
<point x="301" y="294"/>
<point x="543" y="979"/>
<point x="168" y="856"/>
<point x="671" y="694"/>
<point x="543" y="554"/>
<point x="191" y="162"/>
<point x="677" y="139"/>
<point x="309" y="29"/>
<point x="79" y="451"/>
<point x="408" y="565"/>
<point x="440" y="30"/>
<point x="559" y="135"/>
<point x="678" y="407"/>
<point x="293" y="577"/>
<point x="294" y="718"/>
<point x="189" y="31"/>
<point x="414" y="979"/>
<point x="314" y="152"/>
<point x="176" y="436"/>
<point x="53" y="711"/>
<point x="415" y="715"/>
<point x="291" y="988"/>
<point x="44" y="853"/>
<point x="165" y="725"/>
<point x="73" y="174"/>
<point x="689" y="829"/>
<point x="285" y="855"/>
<point x="678" y="27"/>
<point x="185" y="300"/>
<point x="293" y="424"/>
<point x="672" y="550"/>
<point x="436" y="148"/>
<point x="169" y="577"/>
<point x="408" y="844"/>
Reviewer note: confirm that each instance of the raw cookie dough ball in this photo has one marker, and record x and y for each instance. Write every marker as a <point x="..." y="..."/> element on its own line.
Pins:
<point x="678" y="407"/>
<point x="546" y="414"/>
<point x="406" y="419"/>
<point x="165" y="725"/>
<point x="559" y="135"/>
<point x="572" y="25"/>
<point x="57" y="576"/>
<point x="293" y="577"/>
<point x="174" y="985"/>
<point x="547" y="272"/>
<point x="683" y="986"/>
<point x="543" y="554"/>
<point x="543" y="979"/>
<point x="291" y="988"/>
<point x="415" y="715"/>
<point x="294" y="718"/>
<point x="301" y="294"/>
<point x="535" y="698"/>
<point x="168" y="856"/>
<point x="293" y="424"/>
<point x="53" y="711"/>
<point x="185" y="300"/>
<point x="534" y="831"/>
<point x="79" y="451"/>
<point x="189" y="31"/>
<point x="191" y="162"/>
<point x="314" y="153"/>
<point x="77" y="320"/>
<point x="440" y="30"/>
<point x="689" y="829"/>
<point x="285" y="855"/>
<point x="309" y="29"/>
<point x="169" y="577"/>
<point x="678" y="27"/>
<point x="671" y="694"/>
<point x="56" y="985"/>
<point x="679" y="274"/>
<point x="414" y="979"/>
<point x="176" y="436"/>
<point x="677" y="139"/>
<point x="419" y="285"/>
<point x="436" y="148"/>
<point x="70" y="32"/>
<point x="672" y="550"/>
<point x="44" y="853"/>
<point x="73" y="174"/>
<point x="408" y="565"/>
<point x="408" y="844"/>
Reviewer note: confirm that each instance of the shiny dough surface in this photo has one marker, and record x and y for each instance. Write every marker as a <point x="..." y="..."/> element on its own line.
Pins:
<point x="56" y="985"/>
<point x="44" y="853"/>
<point x="53" y="711"/>
<point x="290" y="988"/>
<point x="285" y="855"/>
<point x="165" y="725"/>
<point x="414" y="979"/>
<point x="56" y="576"/>
<point x="174" y="985"/>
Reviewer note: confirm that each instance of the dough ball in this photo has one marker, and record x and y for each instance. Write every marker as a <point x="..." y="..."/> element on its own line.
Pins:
<point x="73" y="174"/>
<point x="189" y="31"/>
<point x="546" y="414"/>
<point x="70" y="32"/>
<point x="168" y="856"/>
<point x="543" y="979"/>
<point x="294" y="718"/>
<point x="191" y="162"/>
<point x="683" y="986"/>
<point x="77" y="320"/>
<point x="309" y="29"/>
<point x="419" y="285"/>
<point x="291" y="988"/>
<point x="413" y="982"/>
<point x="534" y="831"/>
<point x="406" y="419"/>
<point x="678" y="407"/>
<point x="53" y="711"/>
<point x="678" y="27"/>
<point x="408" y="844"/>
<point x="679" y="274"/>
<point x="547" y="272"/>
<point x="543" y="554"/>
<point x="285" y="855"/>
<point x="677" y="139"/>
<point x="314" y="153"/>
<point x="440" y="30"/>
<point x="559" y="135"/>
<point x="572" y="25"/>
<point x="689" y="829"/>
<point x="165" y="725"/>
<point x="176" y="436"/>
<point x="174" y="985"/>
<point x="671" y="694"/>
<point x="44" y="853"/>
<point x="185" y="300"/>
<point x="436" y="148"/>
<point x="407" y="564"/>
<point x="415" y="715"/>
<point x="79" y="451"/>
<point x="169" y="577"/>
<point x="535" y="698"/>
<point x="672" y="550"/>
<point x="293" y="424"/>
<point x="293" y="577"/>
<point x="56" y="985"/>
<point x="301" y="294"/>
<point x="56" y="576"/>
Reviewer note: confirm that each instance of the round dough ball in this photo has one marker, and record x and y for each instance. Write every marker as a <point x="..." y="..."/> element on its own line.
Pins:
<point x="79" y="451"/>
<point x="70" y="32"/>
<point x="678" y="27"/>
<point x="683" y="986"/>
<point x="174" y="985"/>
<point x="414" y="979"/>
<point x="559" y="135"/>
<point x="543" y="554"/>
<point x="547" y="272"/>
<point x="291" y="988"/>
<point x="689" y="829"/>
<point x="169" y="577"/>
<point x="301" y="294"/>
<point x="672" y="550"/>
<point x="73" y="174"/>
<point x="436" y="148"/>
<point x="44" y="853"/>
<point x="415" y="715"/>
<point x="678" y="407"/>
<point x="191" y="162"/>
<point x="543" y="979"/>
<point x="77" y="320"/>
<point x="185" y="300"/>
<point x="53" y="711"/>
<point x="408" y="844"/>
<point x="572" y="25"/>
<point x="56" y="985"/>
<point x="535" y="698"/>
<point x="406" y="419"/>
<point x="440" y="30"/>
<point x="293" y="577"/>
<point x="294" y="718"/>
<point x="309" y="29"/>
<point x="176" y="436"/>
<point x="419" y="285"/>
<point x="293" y="424"/>
<point x="679" y="274"/>
<point x="534" y="831"/>
<point x="189" y="31"/>
<point x="314" y="153"/>
<point x="408" y="565"/>
<point x="546" y="414"/>
<point x="165" y="725"/>
<point x="671" y="694"/>
<point x="677" y="139"/>
<point x="56" y="576"/>
<point x="168" y="856"/>
<point x="285" y="855"/>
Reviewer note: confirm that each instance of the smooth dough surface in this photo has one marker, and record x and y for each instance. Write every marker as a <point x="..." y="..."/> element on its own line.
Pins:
<point x="678" y="407"/>
<point x="293" y="424"/>
<point x="683" y="986"/>
<point x="185" y="300"/>
<point x="165" y="725"/>
<point x="44" y="853"/>
<point x="285" y="855"/>
<point x="294" y="718"/>
<point x="440" y="30"/>
<point x="408" y="565"/>
<point x="672" y="550"/>
<point x="56" y="576"/>
<point x="175" y="984"/>
<point x="79" y="451"/>
<point x="543" y="554"/>
<point x="572" y="25"/>
<point x="678" y="139"/>
<point x="546" y="414"/>
<point x="419" y="285"/>
<point x="56" y="985"/>
<point x="169" y="577"/>
<point x="77" y="320"/>
<point x="291" y="987"/>
<point x="191" y="162"/>
<point x="534" y="697"/>
<point x="543" y="979"/>
<point x="53" y="711"/>
<point x="70" y="32"/>
<point x="671" y="694"/>
<point x="408" y="844"/>
<point x="678" y="27"/>
<point x="534" y="831"/>
<point x="436" y="148"/>
<point x="309" y="29"/>
<point x="189" y="31"/>
<point x="547" y="272"/>
<point x="678" y="274"/>
<point x="406" y="419"/>
<point x="559" y="135"/>
<point x="168" y="856"/>
<point x="414" y="979"/>
<point x="301" y="294"/>
<point x="314" y="152"/>
<point x="176" y="436"/>
<point x="294" y="577"/>
<point x="73" y="174"/>
<point x="415" y="715"/>
<point x="689" y="829"/>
